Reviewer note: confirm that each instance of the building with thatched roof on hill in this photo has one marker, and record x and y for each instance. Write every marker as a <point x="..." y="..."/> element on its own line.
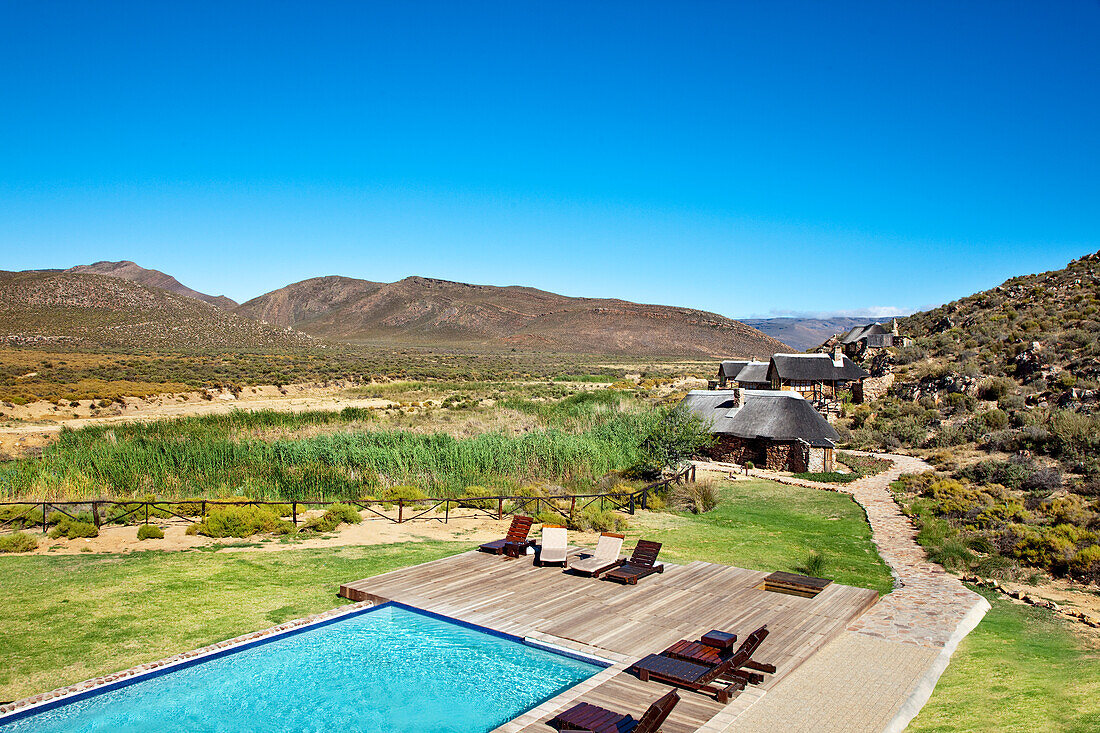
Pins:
<point x="870" y="337"/>
<point x="773" y="429"/>
<point x="817" y="377"/>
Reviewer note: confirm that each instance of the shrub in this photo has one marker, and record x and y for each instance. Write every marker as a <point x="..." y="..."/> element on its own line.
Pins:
<point x="336" y="515"/>
<point x="470" y="497"/>
<point x="18" y="542"/>
<point x="696" y="497"/>
<point x="410" y="495"/>
<point x="673" y="436"/>
<point x="814" y="565"/>
<point x="548" y="517"/>
<point x="1045" y="480"/>
<point x="863" y="465"/>
<point x="71" y="527"/>
<point x="994" y="388"/>
<point x="21" y="516"/>
<point x="73" y="530"/>
<point x="1086" y="563"/>
<point x="830" y="477"/>
<point x="953" y="553"/>
<point x="240" y="521"/>
<point x="150" y="532"/>
<point x="594" y="519"/>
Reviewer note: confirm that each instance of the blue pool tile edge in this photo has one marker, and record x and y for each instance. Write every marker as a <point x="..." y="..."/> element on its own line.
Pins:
<point x="43" y="702"/>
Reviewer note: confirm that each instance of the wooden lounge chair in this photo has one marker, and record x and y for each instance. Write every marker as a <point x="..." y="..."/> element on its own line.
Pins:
<point x="517" y="535"/>
<point x="642" y="562"/>
<point x="554" y="547"/>
<point x="605" y="556"/>
<point x="594" y="719"/>
<point x="722" y="679"/>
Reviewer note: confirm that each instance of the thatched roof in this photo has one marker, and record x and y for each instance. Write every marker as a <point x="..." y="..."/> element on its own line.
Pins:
<point x="755" y="372"/>
<point x="816" y="367"/>
<point x="767" y="414"/>
<point x="729" y="369"/>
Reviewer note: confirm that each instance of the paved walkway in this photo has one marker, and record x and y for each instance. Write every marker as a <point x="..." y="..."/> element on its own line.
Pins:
<point x="880" y="672"/>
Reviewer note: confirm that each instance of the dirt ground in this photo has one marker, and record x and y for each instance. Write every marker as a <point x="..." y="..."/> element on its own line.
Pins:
<point x="36" y="424"/>
<point x="464" y="525"/>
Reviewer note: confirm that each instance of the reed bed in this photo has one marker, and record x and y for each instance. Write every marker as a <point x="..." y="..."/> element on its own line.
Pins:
<point x="215" y="456"/>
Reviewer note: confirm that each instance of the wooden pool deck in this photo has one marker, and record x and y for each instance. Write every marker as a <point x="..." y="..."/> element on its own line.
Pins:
<point x="622" y="623"/>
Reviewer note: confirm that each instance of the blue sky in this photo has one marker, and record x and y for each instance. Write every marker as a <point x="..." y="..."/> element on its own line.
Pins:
<point x="744" y="158"/>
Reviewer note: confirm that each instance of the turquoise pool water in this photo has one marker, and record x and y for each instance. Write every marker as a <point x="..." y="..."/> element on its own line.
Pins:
<point x="391" y="669"/>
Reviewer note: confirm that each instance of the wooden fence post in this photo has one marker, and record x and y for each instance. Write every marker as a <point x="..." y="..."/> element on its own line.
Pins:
<point x="43" y="517"/>
<point x="632" y="504"/>
<point x="95" y="513"/>
<point x="400" y="510"/>
<point x="294" y="512"/>
<point x="446" y="510"/>
<point x="500" y="509"/>
<point x="572" y="507"/>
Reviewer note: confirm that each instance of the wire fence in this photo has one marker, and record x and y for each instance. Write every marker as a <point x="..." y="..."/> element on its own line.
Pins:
<point x="408" y="510"/>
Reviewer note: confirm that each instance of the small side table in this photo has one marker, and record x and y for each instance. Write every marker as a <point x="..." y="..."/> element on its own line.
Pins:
<point x="719" y="639"/>
<point x="515" y="549"/>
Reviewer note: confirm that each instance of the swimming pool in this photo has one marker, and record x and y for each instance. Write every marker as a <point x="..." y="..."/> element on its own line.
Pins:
<point x="390" y="669"/>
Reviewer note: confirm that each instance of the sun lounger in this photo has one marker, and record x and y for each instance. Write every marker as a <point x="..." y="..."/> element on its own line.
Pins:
<point x="642" y="562"/>
<point x="594" y="719"/>
<point x="722" y="679"/>
<point x="605" y="556"/>
<point x="554" y="547"/>
<point x="699" y="677"/>
<point x="517" y="535"/>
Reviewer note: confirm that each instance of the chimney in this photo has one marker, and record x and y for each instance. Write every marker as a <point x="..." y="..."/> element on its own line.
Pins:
<point x="894" y="325"/>
<point x="737" y="397"/>
<point x="838" y="356"/>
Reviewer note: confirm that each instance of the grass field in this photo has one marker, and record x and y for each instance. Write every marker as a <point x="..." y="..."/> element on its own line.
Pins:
<point x="1020" y="670"/>
<point x="67" y="618"/>
<point x="768" y="526"/>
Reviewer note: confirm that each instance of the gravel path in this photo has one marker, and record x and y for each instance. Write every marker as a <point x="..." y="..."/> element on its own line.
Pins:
<point x="882" y="670"/>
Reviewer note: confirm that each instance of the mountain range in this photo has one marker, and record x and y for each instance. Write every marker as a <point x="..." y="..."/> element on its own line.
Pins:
<point x="803" y="334"/>
<point x="87" y="305"/>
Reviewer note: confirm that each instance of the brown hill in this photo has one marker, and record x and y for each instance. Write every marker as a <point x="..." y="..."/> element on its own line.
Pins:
<point x="44" y="307"/>
<point x="127" y="270"/>
<point x="426" y="311"/>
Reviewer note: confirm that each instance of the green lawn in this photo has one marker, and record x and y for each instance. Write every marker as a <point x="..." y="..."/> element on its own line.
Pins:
<point x="763" y="525"/>
<point x="70" y="617"/>
<point x="1020" y="670"/>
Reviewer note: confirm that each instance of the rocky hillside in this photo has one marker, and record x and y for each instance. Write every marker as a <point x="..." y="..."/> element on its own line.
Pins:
<point x="1042" y="331"/>
<point x="82" y="310"/>
<point x="127" y="270"/>
<point x="425" y="311"/>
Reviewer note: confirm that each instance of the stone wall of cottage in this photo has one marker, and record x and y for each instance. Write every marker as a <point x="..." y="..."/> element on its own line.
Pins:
<point x="791" y="456"/>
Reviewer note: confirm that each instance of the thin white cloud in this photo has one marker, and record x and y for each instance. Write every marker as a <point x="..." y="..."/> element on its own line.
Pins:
<point x="870" y="312"/>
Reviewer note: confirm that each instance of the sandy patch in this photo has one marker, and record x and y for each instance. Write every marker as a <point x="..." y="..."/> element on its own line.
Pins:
<point x="38" y="423"/>
<point x="462" y="525"/>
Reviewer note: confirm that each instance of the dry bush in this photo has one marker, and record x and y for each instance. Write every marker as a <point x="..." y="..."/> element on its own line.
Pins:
<point x="696" y="497"/>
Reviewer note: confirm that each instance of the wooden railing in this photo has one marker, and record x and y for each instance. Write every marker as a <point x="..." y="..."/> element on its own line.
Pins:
<point x="495" y="507"/>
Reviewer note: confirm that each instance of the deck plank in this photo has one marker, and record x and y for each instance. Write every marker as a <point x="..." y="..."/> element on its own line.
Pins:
<point x="624" y="622"/>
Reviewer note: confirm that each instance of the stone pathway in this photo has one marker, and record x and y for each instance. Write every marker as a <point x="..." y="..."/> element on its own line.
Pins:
<point x="882" y="670"/>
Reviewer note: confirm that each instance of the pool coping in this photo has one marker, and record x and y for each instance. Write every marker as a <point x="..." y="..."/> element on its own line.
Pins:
<point x="35" y="704"/>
